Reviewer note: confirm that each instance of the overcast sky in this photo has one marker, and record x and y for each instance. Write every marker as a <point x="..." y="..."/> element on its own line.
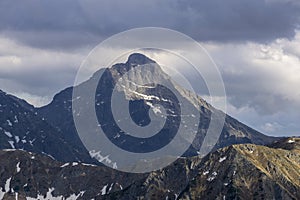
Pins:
<point x="256" y="45"/>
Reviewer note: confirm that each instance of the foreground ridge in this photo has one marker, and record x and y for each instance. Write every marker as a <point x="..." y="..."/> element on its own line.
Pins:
<point x="239" y="171"/>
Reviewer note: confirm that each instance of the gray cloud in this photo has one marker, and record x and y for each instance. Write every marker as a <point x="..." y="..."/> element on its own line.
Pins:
<point x="264" y="77"/>
<point x="241" y="19"/>
<point x="262" y="83"/>
<point x="34" y="72"/>
<point x="69" y="23"/>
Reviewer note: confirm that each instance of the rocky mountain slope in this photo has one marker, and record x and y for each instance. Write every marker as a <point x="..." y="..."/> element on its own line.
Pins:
<point x="248" y="172"/>
<point x="25" y="127"/>
<point x="21" y="127"/>
<point x="244" y="171"/>
<point x="59" y="112"/>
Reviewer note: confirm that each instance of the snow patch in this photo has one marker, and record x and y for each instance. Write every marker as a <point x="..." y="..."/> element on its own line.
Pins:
<point x="65" y="165"/>
<point x="7" y="185"/>
<point x="9" y="122"/>
<point x="11" y="144"/>
<point x="211" y="178"/>
<point x="17" y="138"/>
<point x="1" y="193"/>
<point x="91" y="165"/>
<point x="291" y="141"/>
<point x="143" y="96"/>
<point x="18" y="167"/>
<point x="115" y="165"/>
<point x="155" y="109"/>
<point x="8" y="134"/>
<point x="110" y="188"/>
<point x="16" y="119"/>
<point x="205" y="173"/>
<point x="222" y="159"/>
<point x="7" y="150"/>
<point x="97" y="155"/>
<point x="32" y="141"/>
<point x="103" y="191"/>
<point x="50" y="196"/>
<point x="75" y="197"/>
<point x="48" y="155"/>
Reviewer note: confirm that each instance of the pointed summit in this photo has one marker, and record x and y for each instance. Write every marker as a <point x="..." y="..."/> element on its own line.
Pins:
<point x="139" y="59"/>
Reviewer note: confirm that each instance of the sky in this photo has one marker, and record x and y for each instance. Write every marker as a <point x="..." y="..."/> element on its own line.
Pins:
<point x="255" y="44"/>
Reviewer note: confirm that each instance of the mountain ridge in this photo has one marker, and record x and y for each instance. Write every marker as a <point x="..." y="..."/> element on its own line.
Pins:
<point x="21" y="127"/>
<point x="234" y="131"/>
<point x="237" y="172"/>
<point x="58" y="114"/>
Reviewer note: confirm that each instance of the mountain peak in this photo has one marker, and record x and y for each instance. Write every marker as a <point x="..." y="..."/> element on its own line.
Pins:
<point x="139" y="59"/>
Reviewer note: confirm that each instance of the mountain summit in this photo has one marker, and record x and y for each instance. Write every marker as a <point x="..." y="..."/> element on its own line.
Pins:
<point x="56" y="118"/>
<point x="139" y="59"/>
<point x="59" y="112"/>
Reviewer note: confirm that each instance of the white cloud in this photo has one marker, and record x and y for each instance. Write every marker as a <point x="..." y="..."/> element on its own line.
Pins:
<point x="265" y="77"/>
<point x="35" y="100"/>
<point x="35" y="73"/>
<point x="262" y="83"/>
<point x="270" y="127"/>
<point x="15" y="57"/>
<point x="261" y="80"/>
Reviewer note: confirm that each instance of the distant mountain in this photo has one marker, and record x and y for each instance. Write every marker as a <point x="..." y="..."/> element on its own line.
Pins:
<point x="287" y="144"/>
<point x="244" y="171"/>
<point x="59" y="112"/>
<point x="51" y="130"/>
<point x="53" y="163"/>
<point x="21" y="127"/>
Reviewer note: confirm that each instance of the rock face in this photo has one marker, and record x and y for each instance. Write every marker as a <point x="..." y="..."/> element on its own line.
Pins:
<point x="59" y="112"/>
<point x="247" y="172"/>
<point x="22" y="128"/>
<point x="244" y="171"/>
<point x="40" y="177"/>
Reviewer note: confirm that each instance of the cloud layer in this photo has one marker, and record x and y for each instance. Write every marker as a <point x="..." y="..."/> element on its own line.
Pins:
<point x="255" y="44"/>
<point x="73" y="23"/>
<point x="32" y="73"/>
<point x="262" y="82"/>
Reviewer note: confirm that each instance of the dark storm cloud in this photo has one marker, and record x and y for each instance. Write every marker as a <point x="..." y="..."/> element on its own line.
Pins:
<point x="241" y="19"/>
<point x="70" y="23"/>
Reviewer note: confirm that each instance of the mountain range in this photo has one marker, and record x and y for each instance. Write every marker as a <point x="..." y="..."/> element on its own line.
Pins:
<point x="243" y="171"/>
<point x="52" y="161"/>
